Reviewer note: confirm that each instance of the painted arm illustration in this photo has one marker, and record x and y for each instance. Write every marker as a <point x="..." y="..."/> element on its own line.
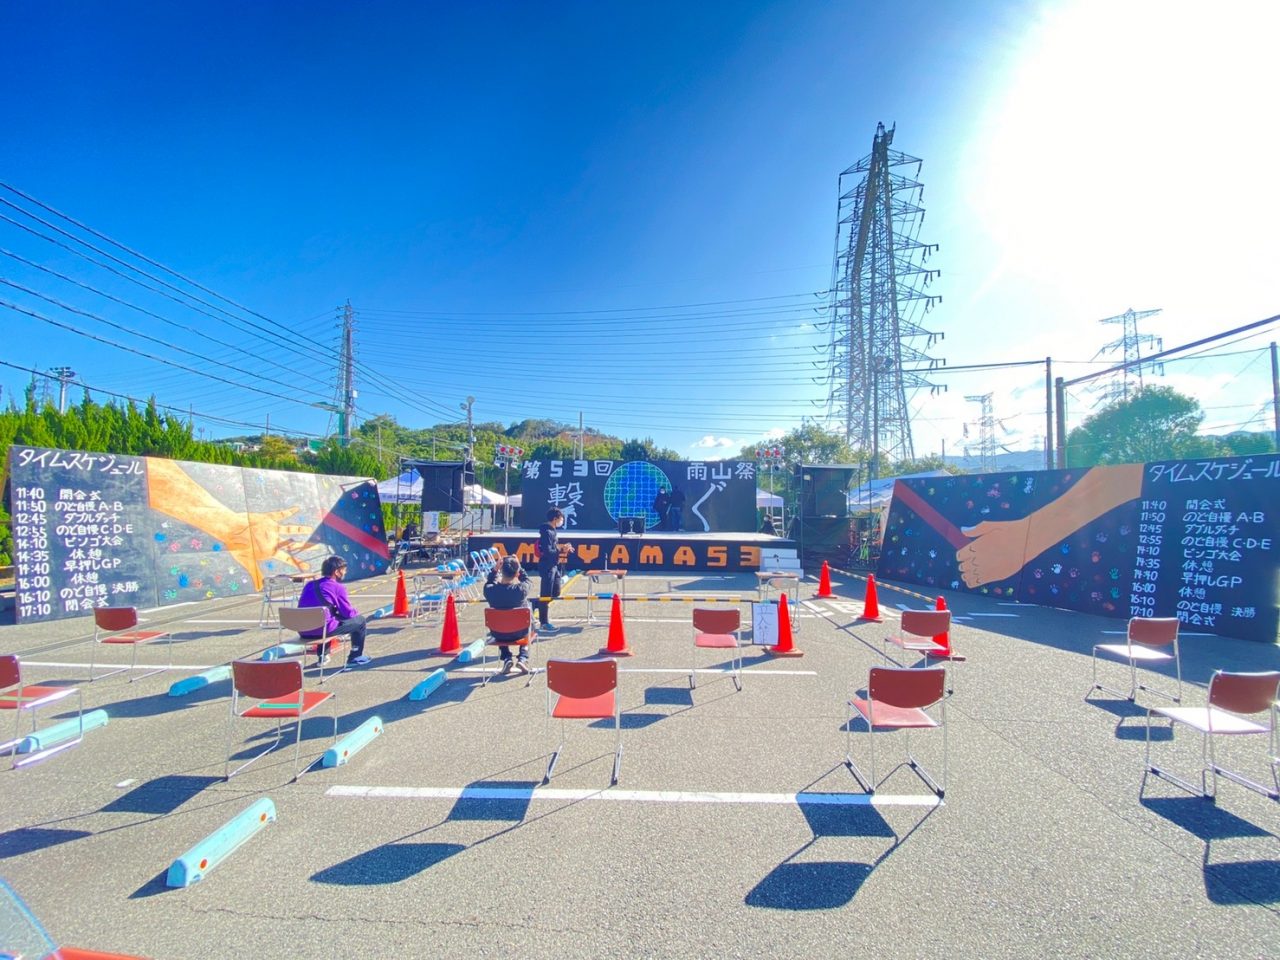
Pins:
<point x="248" y="537"/>
<point x="1000" y="548"/>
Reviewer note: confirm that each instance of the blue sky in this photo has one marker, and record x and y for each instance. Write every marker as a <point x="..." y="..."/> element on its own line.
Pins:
<point x="624" y="210"/>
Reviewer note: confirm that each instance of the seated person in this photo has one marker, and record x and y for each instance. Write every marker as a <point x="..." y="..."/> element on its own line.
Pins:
<point x="507" y="588"/>
<point x="410" y="531"/>
<point x="341" y="618"/>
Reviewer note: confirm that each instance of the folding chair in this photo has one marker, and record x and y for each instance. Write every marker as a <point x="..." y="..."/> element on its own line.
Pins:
<point x="1146" y="637"/>
<point x="275" y="690"/>
<point x="1233" y="699"/>
<point x="308" y="620"/>
<point x="115" y="625"/>
<point x="508" y="621"/>
<point x="277" y="591"/>
<point x="587" y="690"/>
<point x="897" y="698"/>
<point x="428" y="593"/>
<point x="16" y="696"/>
<point x="717" y="629"/>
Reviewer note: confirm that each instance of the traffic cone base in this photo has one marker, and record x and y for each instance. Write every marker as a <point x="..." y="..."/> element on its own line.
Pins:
<point x="617" y="645"/>
<point x="824" y="581"/>
<point x="450" y="638"/>
<point x="401" y="607"/>
<point x="871" y="607"/>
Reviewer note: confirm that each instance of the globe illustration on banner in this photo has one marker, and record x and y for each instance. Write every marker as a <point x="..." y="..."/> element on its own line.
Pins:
<point x="630" y="490"/>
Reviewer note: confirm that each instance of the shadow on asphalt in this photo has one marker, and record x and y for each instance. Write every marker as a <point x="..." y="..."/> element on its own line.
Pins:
<point x="24" y="840"/>
<point x="389" y="863"/>
<point x="161" y="795"/>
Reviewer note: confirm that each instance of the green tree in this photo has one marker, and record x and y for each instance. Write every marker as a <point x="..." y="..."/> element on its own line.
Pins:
<point x="1156" y="423"/>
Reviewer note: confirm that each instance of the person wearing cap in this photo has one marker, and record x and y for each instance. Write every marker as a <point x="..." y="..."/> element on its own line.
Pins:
<point x="507" y="588"/>
<point x="341" y="618"/>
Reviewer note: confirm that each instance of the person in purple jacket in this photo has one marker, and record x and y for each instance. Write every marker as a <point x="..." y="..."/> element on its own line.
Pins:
<point x="341" y="617"/>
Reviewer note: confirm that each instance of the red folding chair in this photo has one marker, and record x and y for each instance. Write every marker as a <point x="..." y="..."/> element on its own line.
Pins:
<point x="1234" y="700"/>
<point x="1145" y="643"/>
<point x="897" y="698"/>
<point x="117" y="625"/>
<point x="17" y="696"/>
<point x="587" y="690"/>
<point x="717" y="629"/>
<point x="275" y="690"/>
<point x="508" y="622"/>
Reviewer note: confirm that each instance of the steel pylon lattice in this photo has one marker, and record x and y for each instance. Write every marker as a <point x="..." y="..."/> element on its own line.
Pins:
<point x="878" y="296"/>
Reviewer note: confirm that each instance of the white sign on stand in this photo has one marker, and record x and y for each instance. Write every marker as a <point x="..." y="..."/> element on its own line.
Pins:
<point x="764" y="624"/>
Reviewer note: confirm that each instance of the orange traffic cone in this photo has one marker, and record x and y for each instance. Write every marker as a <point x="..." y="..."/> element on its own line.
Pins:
<point x="824" y="582"/>
<point x="944" y="638"/>
<point x="401" y="608"/>
<point x="617" y="646"/>
<point x="450" y="639"/>
<point x="871" y="608"/>
<point x="785" y="647"/>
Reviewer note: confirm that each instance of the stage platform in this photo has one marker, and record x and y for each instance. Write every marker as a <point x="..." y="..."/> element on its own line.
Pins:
<point x="651" y="551"/>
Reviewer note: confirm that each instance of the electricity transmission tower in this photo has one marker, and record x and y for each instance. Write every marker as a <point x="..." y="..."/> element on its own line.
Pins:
<point x="1130" y="344"/>
<point x="878" y="279"/>
<point x="986" y="432"/>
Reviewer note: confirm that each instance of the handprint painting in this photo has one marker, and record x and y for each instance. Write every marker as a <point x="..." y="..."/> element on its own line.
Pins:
<point x="1064" y="538"/>
<point x="223" y="530"/>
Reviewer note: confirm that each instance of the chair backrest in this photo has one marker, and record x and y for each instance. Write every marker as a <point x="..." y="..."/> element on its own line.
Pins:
<point x="115" y="618"/>
<point x="718" y="620"/>
<point x="580" y="679"/>
<point x="10" y="671"/>
<point x="907" y="686"/>
<point x="1153" y="631"/>
<point x="266" y="679"/>
<point x="278" y="584"/>
<point x="1244" y="692"/>
<point x="926" y="623"/>
<point x="303" y="619"/>
<point x="507" y="621"/>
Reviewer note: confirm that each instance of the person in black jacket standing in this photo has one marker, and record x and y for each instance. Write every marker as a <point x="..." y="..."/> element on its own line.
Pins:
<point x="548" y="567"/>
<point x="507" y="588"/>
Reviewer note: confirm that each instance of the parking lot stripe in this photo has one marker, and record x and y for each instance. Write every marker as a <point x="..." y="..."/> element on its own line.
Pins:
<point x="634" y="796"/>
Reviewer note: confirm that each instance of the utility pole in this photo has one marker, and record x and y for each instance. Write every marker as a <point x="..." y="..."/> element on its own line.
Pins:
<point x="582" y="439"/>
<point x="347" y="375"/>
<point x="63" y="375"/>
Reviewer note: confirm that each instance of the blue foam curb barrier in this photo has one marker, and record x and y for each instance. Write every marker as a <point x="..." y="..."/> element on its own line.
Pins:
<point x="425" y="688"/>
<point x="192" y="866"/>
<point x="284" y="650"/>
<point x="63" y="730"/>
<point x="200" y="680"/>
<point x="471" y="652"/>
<point x="348" y="746"/>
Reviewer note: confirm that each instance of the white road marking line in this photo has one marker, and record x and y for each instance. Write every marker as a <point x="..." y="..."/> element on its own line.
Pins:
<point x="635" y="796"/>
<point x="751" y="670"/>
<point x="258" y="622"/>
<point x="194" y="667"/>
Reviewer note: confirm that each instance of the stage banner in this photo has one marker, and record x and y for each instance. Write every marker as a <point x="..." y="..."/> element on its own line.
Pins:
<point x="1192" y="539"/>
<point x="720" y="495"/>
<point x="93" y="529"/>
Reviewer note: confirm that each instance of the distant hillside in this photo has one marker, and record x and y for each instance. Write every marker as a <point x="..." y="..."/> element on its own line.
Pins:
<point x="1001" y="462"/>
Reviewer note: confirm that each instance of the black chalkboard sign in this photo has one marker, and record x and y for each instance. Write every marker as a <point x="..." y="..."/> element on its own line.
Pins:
<point x="81" y="532"/>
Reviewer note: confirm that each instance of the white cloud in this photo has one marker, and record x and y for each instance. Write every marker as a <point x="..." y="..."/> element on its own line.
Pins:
<point x="710" y="442"/>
